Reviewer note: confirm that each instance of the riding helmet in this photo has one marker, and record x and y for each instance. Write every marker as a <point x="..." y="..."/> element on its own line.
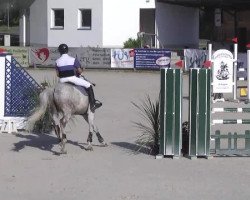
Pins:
<point x="63" y="48"/>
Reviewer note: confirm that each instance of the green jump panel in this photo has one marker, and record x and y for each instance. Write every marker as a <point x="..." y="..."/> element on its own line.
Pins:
<point x="231" y="149"/>
<point x="199" y="112"/>
<point x="171" y="112"/>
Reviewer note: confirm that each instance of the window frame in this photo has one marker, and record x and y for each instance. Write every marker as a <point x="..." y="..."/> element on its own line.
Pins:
<point x="52" y="25"/>
<point x="80" y="17"/>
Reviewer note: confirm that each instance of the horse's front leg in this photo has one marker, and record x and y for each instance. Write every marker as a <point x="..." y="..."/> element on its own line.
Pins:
<point x="93" y="129"/>
<point x="89" y="117"/>
<point x="89" y="141"/>
<point x="99" y="137"/>
<point x="63" y="144"/>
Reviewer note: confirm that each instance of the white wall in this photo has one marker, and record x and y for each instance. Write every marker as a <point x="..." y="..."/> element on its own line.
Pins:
<point x="178" y="26"/>
<point x="70" y="35"/>
<point x="121" y="20"/>
<point x="38" y="23"/>
<point x="113" y="22"/>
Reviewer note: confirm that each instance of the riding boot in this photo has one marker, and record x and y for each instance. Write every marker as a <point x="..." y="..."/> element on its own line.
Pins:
<point x="94" y="104"/>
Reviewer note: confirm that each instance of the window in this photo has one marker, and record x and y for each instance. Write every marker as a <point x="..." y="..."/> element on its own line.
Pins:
<point x="84" y="19"/>
<point x="57" y="18"/>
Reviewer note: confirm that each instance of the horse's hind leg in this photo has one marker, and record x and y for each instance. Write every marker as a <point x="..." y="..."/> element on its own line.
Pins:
<point x="63" y="123"/>
<point x="57" y="129"/>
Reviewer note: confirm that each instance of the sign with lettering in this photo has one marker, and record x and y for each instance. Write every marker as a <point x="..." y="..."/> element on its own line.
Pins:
<point x="88" y="57"/>
<point x="122" y="58"/>
<point x="194" y="58"/>
<point x="152" y="58"/>
<point x="222" y="71"/>
<point x="92" y="57"/>
<point x="21" y="54"/>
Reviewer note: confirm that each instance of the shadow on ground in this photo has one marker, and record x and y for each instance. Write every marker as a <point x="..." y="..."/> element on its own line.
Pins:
<point x="132" y="148"/>
<point x="45" y="142"/>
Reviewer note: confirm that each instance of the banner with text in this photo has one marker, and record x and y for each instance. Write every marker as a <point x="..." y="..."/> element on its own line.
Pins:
<point x="222" y="71"/>
<point x="194" y="58"/>
<point x="122" y="58"/>
<point x="88" y="57"/>
<point x="21" y="54"/>
<point x="152" y="58"/>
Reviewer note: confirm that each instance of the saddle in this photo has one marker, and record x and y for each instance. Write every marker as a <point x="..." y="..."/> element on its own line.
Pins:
<point x="80" y="88"/>
<point x="94" y="104"/>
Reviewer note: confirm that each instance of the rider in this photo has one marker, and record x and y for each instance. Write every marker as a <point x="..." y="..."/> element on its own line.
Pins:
<point x="67" y="67"/>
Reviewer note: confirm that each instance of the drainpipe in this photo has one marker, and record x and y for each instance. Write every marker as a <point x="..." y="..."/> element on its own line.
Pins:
<point x="24" y="27"/>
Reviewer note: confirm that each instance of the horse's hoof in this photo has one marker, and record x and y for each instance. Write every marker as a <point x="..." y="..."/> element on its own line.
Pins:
<point x="61" y="144"/>
<point x="63" y="152"/>
<point x="104" y="144"/>
<point x="89" y="148"/>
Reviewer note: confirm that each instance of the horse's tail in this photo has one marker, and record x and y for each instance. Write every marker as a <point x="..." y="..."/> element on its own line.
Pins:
<point x="45" y="99"/>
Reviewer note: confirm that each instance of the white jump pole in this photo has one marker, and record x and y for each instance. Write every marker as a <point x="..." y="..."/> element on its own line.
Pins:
<point x="3" y="58"/>
<point x="248" y="75"/>
<point x="2" y="85"/>
<point x="8" y="124"/>
<point x="210" y="59"/>
<point x="235" y="71"/>
<point x="209" y="51"/>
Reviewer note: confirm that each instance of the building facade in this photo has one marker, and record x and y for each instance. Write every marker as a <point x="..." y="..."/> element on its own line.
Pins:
<point x="108" y="23"/>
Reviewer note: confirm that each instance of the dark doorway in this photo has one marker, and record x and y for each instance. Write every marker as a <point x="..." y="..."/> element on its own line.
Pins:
<point x="147" y="26"/>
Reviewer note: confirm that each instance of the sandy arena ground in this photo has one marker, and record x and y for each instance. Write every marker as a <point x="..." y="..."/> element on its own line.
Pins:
<point x="29" y="169"/>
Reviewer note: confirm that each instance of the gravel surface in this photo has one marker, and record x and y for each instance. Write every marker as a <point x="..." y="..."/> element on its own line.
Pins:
<point x="29" y="169"/>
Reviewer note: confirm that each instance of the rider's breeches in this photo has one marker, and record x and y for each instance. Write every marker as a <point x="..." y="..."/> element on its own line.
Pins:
<point x="76" y="81"/>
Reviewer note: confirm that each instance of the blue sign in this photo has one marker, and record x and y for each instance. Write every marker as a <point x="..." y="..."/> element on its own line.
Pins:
<point x="152" y="58"/>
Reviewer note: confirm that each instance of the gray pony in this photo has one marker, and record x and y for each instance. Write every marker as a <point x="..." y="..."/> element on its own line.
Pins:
<point x="63" y="101"/>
